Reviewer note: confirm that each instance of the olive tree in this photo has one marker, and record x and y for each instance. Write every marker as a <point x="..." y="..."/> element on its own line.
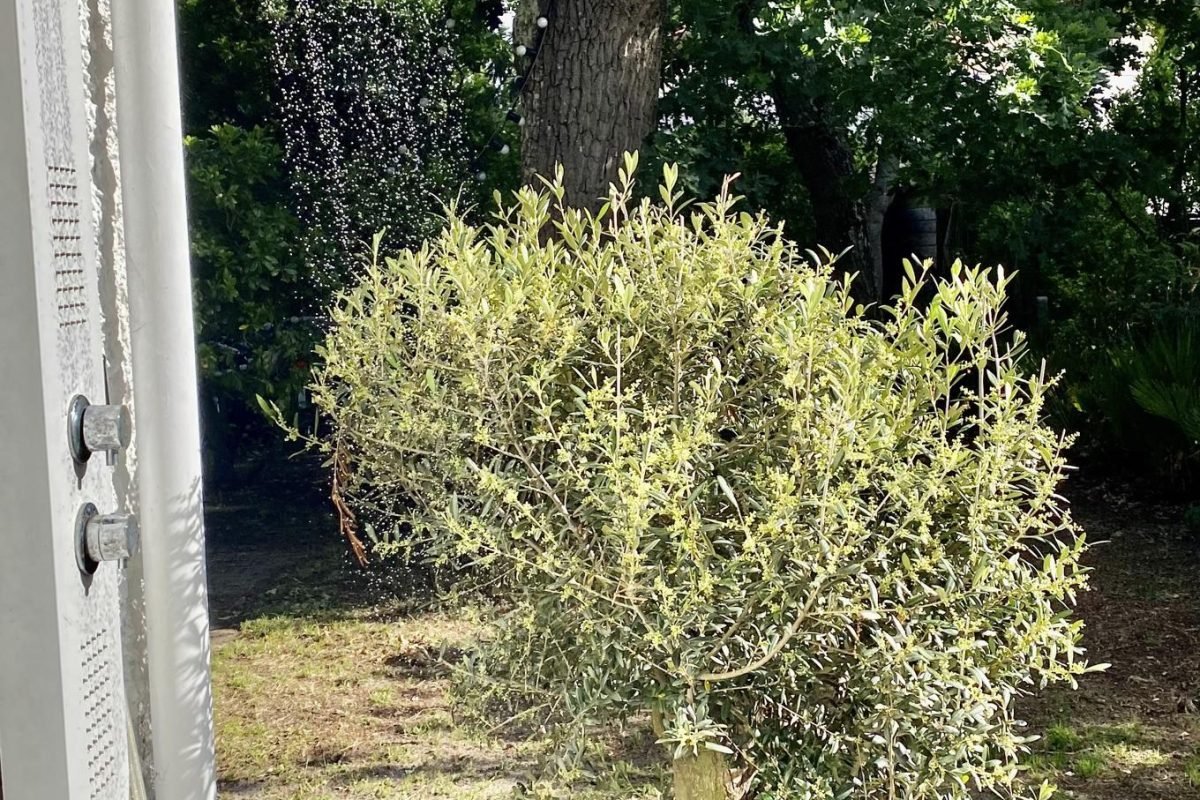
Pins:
<point x="820" y="551"/>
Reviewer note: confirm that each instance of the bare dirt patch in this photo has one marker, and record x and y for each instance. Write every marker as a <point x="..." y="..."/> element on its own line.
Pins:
<point x="1131" y="732"/>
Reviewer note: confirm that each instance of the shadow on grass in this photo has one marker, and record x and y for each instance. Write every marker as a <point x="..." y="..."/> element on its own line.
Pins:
<point x="467" y="767"/>
<point x="240" y="788"/>
<point x="274" y="549"/>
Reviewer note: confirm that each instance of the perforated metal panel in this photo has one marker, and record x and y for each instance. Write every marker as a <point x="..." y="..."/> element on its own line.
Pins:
<point x="100" y="687"/>
<point x="63" y="731"/>
<point x="67" y="239"/>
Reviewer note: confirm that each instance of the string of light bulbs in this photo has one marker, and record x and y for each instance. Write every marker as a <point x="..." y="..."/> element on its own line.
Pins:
<point x="530" y="53"/>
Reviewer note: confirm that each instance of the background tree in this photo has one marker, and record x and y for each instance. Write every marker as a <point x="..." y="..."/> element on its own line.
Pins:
<point x="593" y="89"/>
<point x="864" y="97"/>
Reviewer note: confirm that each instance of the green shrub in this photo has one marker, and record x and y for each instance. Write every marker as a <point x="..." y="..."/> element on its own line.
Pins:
<point x="253" y="293"/>
<point x="1146" y="399"/>
<point x="1165" y="377"/>
<point x="1191" y="518"/>
<point x="820" y="549"/>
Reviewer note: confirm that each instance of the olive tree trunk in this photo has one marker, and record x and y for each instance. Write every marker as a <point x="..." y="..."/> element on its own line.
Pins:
<point x="592" y="93"/>
<point x="704" y="776"/>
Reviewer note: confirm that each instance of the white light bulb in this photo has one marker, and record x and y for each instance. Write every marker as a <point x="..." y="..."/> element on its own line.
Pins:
<point x="450" y="24"/>
<point x="522" y="50"/>
<point x="481" y="176"/>
<point x="542" y="22"/>
<point x="505" y="150"/>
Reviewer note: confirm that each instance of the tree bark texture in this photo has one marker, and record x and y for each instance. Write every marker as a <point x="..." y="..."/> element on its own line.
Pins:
<point x="704" y="776"/>
<point x="592" y="93"/>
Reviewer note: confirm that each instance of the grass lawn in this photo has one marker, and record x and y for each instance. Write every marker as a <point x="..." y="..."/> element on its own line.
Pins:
<point x="326" y="688"/>
<point x="353" y="704"/>
<point x="322" y="691"/>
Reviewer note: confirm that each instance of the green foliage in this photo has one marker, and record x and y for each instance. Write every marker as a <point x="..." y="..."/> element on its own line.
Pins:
<point x="485" y="51"/>
<point x="712" y="490"/>
<point x="1147" y="399"/>
<point x="1108" y="230"/>
<point x="259" y="279"/>
<point x="250" y="284"/>
<point x="1062" y="738"/>
<point x="225" y="55"/>
<point x="1165" y="377"/>
<point x="958" y="93"/>
<point x="1088" y="766"/>
<point x="1192" y="771"/>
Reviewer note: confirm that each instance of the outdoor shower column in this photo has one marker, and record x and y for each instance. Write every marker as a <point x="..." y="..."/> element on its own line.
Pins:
<point x="64" y="538"/>
<point x="164" y="369"/>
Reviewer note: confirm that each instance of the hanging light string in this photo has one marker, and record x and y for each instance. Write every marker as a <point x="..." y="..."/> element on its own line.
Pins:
<point x="530" y="54"/>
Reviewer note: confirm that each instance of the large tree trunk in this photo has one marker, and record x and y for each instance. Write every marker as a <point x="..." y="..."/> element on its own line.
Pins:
<point x="593" y="91"/>
<point x="845" y="216"/>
